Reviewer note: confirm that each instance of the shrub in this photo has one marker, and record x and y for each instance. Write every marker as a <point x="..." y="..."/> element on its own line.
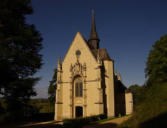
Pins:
<point x="102" y="116"/>
<point x="79" y="122"/>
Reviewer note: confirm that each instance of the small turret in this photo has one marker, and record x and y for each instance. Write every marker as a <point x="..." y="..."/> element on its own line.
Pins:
<point x="115" y="73"/>
<point x="59" y="71"/>
<point x="119" y="77"/>
<point x="59" y="65"/>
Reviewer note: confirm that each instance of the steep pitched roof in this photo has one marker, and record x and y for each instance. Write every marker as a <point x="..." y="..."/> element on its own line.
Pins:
<point x="102" y="52"/>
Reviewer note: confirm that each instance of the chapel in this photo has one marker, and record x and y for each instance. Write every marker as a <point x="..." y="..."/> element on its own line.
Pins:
<point x="87" y="84"/>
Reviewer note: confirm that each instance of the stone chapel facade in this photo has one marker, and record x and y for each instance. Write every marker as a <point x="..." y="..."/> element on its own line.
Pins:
<point x="86" y="82"/>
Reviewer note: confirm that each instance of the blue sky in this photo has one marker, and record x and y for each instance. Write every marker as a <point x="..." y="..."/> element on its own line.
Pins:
<point x="126" y="28"/>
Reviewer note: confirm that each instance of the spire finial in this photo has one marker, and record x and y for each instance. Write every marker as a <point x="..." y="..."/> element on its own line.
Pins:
<point x="93" y="39"/>
<point x="119" y="77"/>
<point x="59" y="63"/>
<point x="115" y="73"/>
<point x="93" y="22"/>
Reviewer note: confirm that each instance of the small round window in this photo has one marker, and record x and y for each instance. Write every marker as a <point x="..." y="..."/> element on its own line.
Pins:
<point x="78" y="53"/>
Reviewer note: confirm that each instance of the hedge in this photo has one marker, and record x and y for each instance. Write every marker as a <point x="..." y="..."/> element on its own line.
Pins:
<point x="80" y="122"/>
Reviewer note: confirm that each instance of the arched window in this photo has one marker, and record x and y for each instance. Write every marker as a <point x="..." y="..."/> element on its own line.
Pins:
<point x="78" y="88"/>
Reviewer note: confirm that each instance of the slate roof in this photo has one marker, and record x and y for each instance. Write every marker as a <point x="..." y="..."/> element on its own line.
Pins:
<point x="103" y="53"/>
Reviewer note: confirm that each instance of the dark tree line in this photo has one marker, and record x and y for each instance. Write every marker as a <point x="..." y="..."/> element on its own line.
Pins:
<point x="20" y="44"/>
<point x="52" y="88"/>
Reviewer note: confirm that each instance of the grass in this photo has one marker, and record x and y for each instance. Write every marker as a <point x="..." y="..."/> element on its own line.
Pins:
<point x="152" y="111"/>
<point x="103" y="120"/>
<point x="107" y="119"/>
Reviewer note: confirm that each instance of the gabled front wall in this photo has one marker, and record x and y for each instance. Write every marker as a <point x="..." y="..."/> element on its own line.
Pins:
<point x="90" y="78"/>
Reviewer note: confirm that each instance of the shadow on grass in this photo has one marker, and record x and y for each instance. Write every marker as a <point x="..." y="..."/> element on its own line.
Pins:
<point x="44" y="126"/>
<point x="54" y="125"/>
<point x="106" y="125"/>
<point x="156" y="122"/>
<point x="24" y="122"/>
<point x="49" y="125"/>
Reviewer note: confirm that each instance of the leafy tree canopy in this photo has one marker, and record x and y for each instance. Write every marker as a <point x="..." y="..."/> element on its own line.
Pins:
<point x="156" y="68"/>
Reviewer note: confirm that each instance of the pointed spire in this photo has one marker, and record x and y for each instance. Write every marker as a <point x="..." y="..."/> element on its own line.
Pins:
<point x="59" y="60"/>
<point x="115" y="73"/>
<point x="59" y="63"/>
<point x="93" y="39"/>
<point x="93" y="34"/>
<point x="119" y="77"/>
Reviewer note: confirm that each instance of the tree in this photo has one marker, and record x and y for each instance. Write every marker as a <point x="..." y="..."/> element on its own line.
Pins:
<point x="150" y="99"/>
<point x="137" y="92"/>
<point x="156" y="67"/>
<point x="20" y="44"/>
<point x="52" y="88"/>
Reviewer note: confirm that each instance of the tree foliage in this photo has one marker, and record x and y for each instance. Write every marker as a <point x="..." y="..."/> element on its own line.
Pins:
<point x="151" y="99"/>
<point x="52" y="87"/>
<point x="137" y="92"/>
<point x="20" y="44"/>
<point x="156" y="68"/>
